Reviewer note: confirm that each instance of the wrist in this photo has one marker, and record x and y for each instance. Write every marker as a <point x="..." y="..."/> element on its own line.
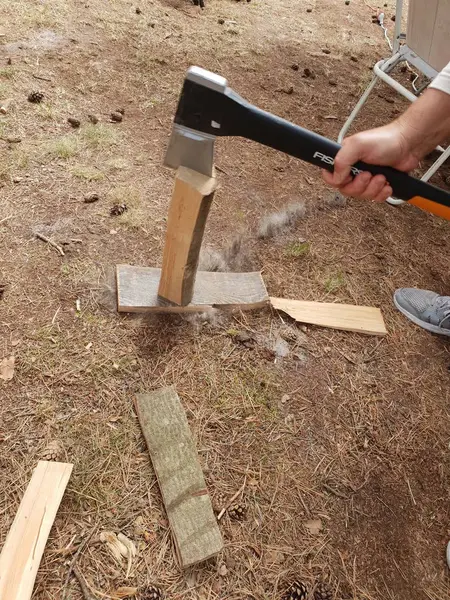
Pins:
<point x="425" y="124"/>
<point x="411" y="138"/>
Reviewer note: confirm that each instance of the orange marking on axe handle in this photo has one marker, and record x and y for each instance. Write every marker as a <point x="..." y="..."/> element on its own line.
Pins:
<point x="433" y="207"/>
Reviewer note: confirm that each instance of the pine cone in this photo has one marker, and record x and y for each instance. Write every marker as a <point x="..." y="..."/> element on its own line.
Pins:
<point x="53" y="451"/>
<point x="237" y="512"/>
<point x="118" y="209"/>
<point x="35" y="97"/>
<point x="218" y="502"/>
<point x="151" y="592"/>
<point x="296" y="591"/>
<point x="323" y="591"/>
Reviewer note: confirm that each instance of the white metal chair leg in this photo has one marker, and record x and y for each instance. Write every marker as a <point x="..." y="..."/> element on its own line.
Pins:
<point x="380" y="71"/>
<point x="398" y="25"/>
<point x="383" y="75"/>
<point x="431" y="171"/>
<point x="356" y="110"/>
<point x="435" y="166"/>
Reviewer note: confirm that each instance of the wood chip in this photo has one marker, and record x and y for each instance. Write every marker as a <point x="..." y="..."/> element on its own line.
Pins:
<point x="131" y="550"/>
<point x="118" y="550"/>
<point x="314" y="526"/>
<point x="5" y="106"/>
<point x="125" y="592"/>
<point x="7" y="368"/>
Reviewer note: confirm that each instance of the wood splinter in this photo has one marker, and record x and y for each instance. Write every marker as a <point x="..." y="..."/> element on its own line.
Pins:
<point x="347" y="317"/>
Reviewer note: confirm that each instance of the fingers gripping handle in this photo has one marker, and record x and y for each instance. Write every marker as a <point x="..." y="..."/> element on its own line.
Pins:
<point x="282" y="135"/>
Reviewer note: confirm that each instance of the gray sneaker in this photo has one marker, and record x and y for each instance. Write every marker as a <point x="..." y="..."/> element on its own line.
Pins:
<point x="424" y="308"/>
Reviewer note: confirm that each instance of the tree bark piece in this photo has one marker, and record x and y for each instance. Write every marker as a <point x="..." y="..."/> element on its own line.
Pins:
<point x="174" y="456"/>
<point x="137" y="291"/>
<point x="362" y="319"/>
<point x="191" y="200"/>
<point x="25" y="543"/>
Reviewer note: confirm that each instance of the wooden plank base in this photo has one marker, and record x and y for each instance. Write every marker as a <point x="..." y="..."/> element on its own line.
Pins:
<point x="362" y="319"/>
<point x="137" y="291"/>
<point x="174" y="457"/>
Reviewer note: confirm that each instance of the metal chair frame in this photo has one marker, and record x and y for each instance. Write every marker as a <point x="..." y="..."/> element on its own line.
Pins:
<point x="400" y="53"/>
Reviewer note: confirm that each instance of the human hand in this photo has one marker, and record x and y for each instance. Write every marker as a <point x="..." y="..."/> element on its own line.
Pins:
<point x="386" y="146"/>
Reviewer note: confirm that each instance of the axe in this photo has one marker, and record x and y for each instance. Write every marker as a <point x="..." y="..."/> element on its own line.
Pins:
<point x="208" y="108"/>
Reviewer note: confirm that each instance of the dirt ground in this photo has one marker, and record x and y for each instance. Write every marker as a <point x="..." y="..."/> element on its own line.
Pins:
<point x="346" y="429"/>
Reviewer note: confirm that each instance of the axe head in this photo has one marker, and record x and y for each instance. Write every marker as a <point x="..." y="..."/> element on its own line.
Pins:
<point x="194" y="129"/>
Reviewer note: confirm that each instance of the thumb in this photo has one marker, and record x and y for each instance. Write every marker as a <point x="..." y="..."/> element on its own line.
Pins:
<point x="347" y="156"/>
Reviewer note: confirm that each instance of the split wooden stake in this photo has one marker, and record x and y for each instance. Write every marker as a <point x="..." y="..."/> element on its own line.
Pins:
<point x="188" y="211"/>
<point x="25" y="543"/>
<point x="363" y="319"/>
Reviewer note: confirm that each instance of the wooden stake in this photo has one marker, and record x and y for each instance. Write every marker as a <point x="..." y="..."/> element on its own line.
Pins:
<point x="174" y="456"/>
<point x="25" y="543"/>
<point x="188" y="211"/>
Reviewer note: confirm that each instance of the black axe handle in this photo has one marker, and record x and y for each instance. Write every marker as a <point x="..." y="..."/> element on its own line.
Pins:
<point x="277" y="133"/>
<point x="227" y="114"/>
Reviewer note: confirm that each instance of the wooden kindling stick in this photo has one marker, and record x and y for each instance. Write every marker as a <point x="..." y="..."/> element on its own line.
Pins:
<point x="191" y="200"/>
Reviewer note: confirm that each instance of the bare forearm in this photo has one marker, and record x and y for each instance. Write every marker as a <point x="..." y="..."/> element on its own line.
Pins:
<point x="426" y="123"/>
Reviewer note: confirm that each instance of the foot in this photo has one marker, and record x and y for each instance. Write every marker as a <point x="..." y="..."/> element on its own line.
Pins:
<point x="424" y="308"/>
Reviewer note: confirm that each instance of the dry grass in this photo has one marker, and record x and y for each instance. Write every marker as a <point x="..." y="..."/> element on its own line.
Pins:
<point x="100" y="136"/>
<point x="297" y="249"/>
<point x="346" y="429"/>
<point x="87" y="173"/>
<point x="65" y="147"/>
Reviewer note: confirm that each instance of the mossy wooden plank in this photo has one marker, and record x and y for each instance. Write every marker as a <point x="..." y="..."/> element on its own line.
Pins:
<point x="174" y="456"/>
<point x="137" y="291"/>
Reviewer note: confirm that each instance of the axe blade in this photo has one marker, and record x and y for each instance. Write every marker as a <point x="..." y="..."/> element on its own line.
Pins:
<point x="188" y="147"/>
<point x="191" y="149"/>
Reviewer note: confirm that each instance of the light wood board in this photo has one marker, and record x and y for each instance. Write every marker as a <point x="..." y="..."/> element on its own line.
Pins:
<point x="25" y="543"/>
<point x="363" y="319"/>
<point x="137" y="291"/>
<point x="174" y="456"/>
<point x="191" y="200"/>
